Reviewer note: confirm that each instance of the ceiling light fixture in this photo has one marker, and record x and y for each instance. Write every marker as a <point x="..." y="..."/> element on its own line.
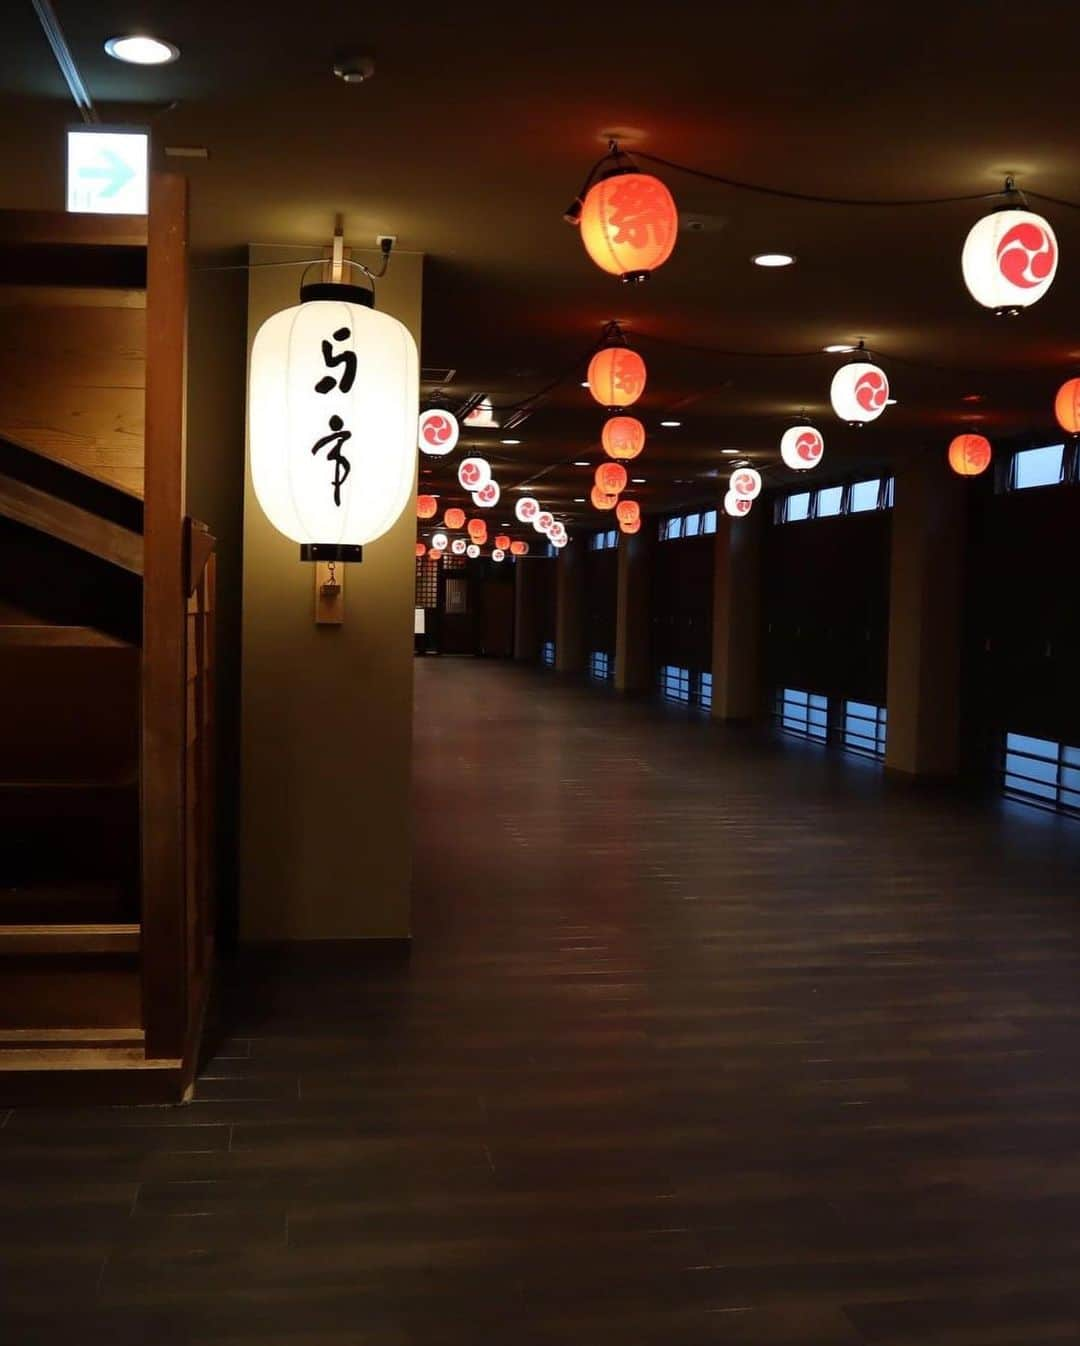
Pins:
<point x="773" y="259"/>
<point x="730" y="453"/>
<point x="839" y="349"/>
<point x="637" y="481"/>
<point x="671" y="425"/>
<point x="509" y="441"/>
<point x="582" y="463"/>
<point x="141" y="49"/>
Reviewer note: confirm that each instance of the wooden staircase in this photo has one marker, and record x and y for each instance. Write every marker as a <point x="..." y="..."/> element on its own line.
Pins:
<point x="105" y="931"/>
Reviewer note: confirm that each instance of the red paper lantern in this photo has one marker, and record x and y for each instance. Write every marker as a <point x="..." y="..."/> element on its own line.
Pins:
<point x="1067" y="406"/>
<point x="634" y="527"/>
<point x="623" y="437"/>
<point x="969" y="455"/>
<point x="426" y="507"/>
<point x="454" y="518"/>
<point x="601" y="500"/>
<point x="616" y="376"/>
<point x="478" y="530"/>
<point x="502" y="541"/>
<point x="421" y="549"/>
<point x="610" y="478"/>
<point x="519" y="548"/>
<point x="629" y="224"/>
<point x="628" y="511"/>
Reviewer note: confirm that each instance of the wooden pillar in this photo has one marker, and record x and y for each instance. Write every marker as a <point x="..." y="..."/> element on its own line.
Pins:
<point x="736" y="641"/>
<point x="633" y="601"/>
<point x="929" y="528"/>
<point x="164" y="933"/>
<point x="527" y="598"/>
<point x="570" y="608"/>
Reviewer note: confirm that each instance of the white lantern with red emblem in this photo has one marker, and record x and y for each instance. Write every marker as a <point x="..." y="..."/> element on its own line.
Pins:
<point x="859" y="392"/>
<point x="458" y="546"/>
<point x="439" y="542"/>
<point x="488" y="495"/>
<point x="526" y="509"/>
<point x="745" y="483"/>
<point x="543" y="521"/>
<point x="332" y="413"/>
<point x="473" y="474"/>
<point x="737" y="506"/>
<point x="1009" y="260"/>
<point x="498" y="554"/>
<point x="438" y="432"/>
<point x="472" y="551"/>
<point x="801" y="447"/>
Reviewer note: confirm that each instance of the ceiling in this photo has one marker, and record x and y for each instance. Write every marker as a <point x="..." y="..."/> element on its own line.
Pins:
<point x="476" y="132"/>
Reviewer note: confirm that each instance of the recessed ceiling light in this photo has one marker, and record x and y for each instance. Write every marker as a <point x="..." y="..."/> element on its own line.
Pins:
<point x="509" y="441"/>
<point x="890" y="401"/>
<point x="585" y="384"/>
<point x="638" y="481"/>
<point x="139" y="49"/>
<point x="579" y="499"/>
<point x="773" y="259"/>
<point x="730" y="453"/>
<point x="671" y="425"/>
<point x="582" y="464"/>
<point x="840" y="349"/>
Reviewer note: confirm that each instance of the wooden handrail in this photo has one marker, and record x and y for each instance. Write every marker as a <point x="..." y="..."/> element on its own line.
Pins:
<point x="77" y="527"/>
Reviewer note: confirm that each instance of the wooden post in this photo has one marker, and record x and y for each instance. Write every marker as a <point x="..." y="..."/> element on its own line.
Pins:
<point x="164" y="673"/>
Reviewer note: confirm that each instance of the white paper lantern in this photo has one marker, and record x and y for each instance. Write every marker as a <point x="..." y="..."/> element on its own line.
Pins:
<point x="472" y="551"/>
<point x="487" y="495"/>
<point x="859" y="392"/>
<point x="526" y="509"/>
<point x="439" y="542"/>
<point x="438" y="432"/>
<point x="458" y="546"/>
<point x="498" y="554"/>
<point x="738" y="506"/>
<point x="745" y="482"/>
<point x="332" y="412"/>
<point x="801" y="447"/>
<point x="543" y="521"/>
<point x="558" y="542"/>
<point x="1009" y="260"/>
<point x="474" y="473"/>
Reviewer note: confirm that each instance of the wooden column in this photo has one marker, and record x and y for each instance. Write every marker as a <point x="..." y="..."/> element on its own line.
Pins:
<point x="736" y="652"/>
<point x="633" y="601"/>
<point x="164" y="689"/>
<point x="570" y="608"/>
<point x="929" y="530"/>
<point x="527" y="609"/>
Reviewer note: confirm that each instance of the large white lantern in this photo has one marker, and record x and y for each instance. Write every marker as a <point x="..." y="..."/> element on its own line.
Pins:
<point x="1009" y="260"/>
<point x="438" y="432"/>
<point x="859" y="392"/>
<point x="473" y="474"/>
<point x="745" y="482"/>
<point x="488" y="495"/>
<point x="737" y="506"/>
<point x="332" y="412"/>
<point x="526" y="509"/>
<point x="801" y="447"/>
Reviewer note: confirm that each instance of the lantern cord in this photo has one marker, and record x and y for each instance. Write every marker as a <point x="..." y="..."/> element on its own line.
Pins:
<point x="306" y="261"/>
<point x="1053" y="200"/>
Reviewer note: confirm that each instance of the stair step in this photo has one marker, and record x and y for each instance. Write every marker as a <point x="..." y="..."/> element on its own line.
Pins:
<point x="56" y="1038"/>
<point x="63" y="939"/>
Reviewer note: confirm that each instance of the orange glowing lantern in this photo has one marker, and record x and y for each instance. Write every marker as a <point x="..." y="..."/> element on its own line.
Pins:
<point x="969" y="455"/>
<point x="610" y="478"/>
<point x="478" y="530"/>
<point x="421" y="549"/>
<point x="628" y="511"/>
<point x="426" y="506"/>
<point x="629" y="224"/>
<point x="1067" y="406"/>
<point x="601" y="500"/>
<point x="631" y="528"/>
<point x="616" y="376"/>
<point x="454" y="518"/>
<point x="502" y="541"/>
<point x="623" y="437"/>
<point x="519" y="548"/>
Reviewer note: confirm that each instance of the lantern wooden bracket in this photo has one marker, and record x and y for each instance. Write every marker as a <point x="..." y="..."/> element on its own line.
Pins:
<point x="329" y="593"/>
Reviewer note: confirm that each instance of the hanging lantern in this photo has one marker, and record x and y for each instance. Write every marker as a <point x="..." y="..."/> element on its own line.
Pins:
<point x="473" y="473"/>
<point x="610" y="478"/>
<point x="439" y="431"/>
<point x="745" y="482"/>
<point x="487" y="495"/>
<point x="526" y="509"/>
<point x="477" y="530"/>
<point x="859" y="392"/>
<point x="738" y="506"/>
<point x="801" y="447"/>
<point x="421" y="549"/>
<point x="628" y="511"/>
<point x="616" y="376"/>
<point x="332" y="407"/>
<point x="601" y="499"/>
<point x="1067" y="407"/>
<point x="472" y="551"/>
<point x="426" y="507"/>
<point x="543" y="521"/>
<point x="623" y="437"/>
<point x="629" y="224"/>
<point x="969" y="455"/>
<point x="1009" y="260"/>
<point x="458" y="546"/>
<point x="502" y="541"/>
<point x="519" y="548"/>
<point x="631" y="527"/>
<point x="557" y="532"/>
<point x="454" y="518"/>
<point x="558" y="543"/>
<point x="498" y="554"/>
<point x="439" y="542"/>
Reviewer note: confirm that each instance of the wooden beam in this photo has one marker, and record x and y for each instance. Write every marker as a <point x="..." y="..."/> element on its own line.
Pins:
<point x="67" y="522"/>
<point x="60" y="227"/>
<point x="54" y="939"/>
<point x="42" y="636"/>
<point x="164" y="702"/>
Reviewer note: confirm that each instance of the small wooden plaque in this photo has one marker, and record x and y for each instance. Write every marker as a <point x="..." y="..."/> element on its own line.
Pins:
<point x="329" y="594"/>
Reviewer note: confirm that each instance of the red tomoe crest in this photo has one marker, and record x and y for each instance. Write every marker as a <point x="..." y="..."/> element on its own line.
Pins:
<point x="438" y="429"/>
<point x="1026" y="255"/>
<point x="529" y="509"/>
<point x="743" y="505"/>
<point x="486" y="494"/>
<point x="872" y="390"/>
<point x="809" y="446"/>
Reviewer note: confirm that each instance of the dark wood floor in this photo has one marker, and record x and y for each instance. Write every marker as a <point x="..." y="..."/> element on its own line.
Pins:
<point x="703" y="1040"/>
